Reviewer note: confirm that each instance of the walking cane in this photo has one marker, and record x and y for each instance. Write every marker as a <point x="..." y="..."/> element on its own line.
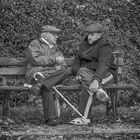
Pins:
<point x="55" y="88"/>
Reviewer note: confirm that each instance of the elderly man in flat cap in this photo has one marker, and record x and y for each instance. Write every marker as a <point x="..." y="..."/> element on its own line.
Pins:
<point x="93" y="67"/>
<point x="46" y="68"/>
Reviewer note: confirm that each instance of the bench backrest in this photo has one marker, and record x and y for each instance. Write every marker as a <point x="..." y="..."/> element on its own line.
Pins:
<point x="17" y="66"/>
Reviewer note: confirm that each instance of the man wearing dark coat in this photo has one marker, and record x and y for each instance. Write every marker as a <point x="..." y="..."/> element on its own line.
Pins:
<point x="93" y="67"/>
<point x="46" y="63"/>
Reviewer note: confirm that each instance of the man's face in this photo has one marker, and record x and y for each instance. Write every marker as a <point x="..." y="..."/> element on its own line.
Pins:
<point x="93" y="37"/>
<point x="50" y="37"/>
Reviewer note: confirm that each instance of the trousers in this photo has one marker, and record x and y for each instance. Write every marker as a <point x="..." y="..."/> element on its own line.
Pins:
<point x="87" y="75"/>
<point x="48" y="98"/>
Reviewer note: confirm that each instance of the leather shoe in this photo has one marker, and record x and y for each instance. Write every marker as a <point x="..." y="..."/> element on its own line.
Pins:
<point x="53" y="122"/>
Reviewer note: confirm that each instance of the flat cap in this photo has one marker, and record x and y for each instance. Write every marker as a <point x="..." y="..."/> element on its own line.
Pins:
<point x="94" y="28"/>
<point x="49" y="28"/>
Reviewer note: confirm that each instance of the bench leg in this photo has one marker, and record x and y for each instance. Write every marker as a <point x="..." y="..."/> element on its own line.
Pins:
<point x="6" y="105"/>
<point x="114" y="105"/>
<point x="108" y="108"/>
<point x="108" y="105"/>
<point x="116" y="113"/>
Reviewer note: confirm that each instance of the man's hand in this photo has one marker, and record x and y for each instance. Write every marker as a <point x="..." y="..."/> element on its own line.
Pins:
<point x="94" y="86"/>
<point x="60" y="59"/>
<point x="79" y="78"/>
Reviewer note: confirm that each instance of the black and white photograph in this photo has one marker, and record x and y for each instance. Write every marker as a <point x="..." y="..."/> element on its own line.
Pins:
<point x="69" y="69"/>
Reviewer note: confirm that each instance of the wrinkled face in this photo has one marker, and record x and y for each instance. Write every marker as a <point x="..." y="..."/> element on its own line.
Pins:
<point x="50" y="37"/>
<point x="93" y="37"/>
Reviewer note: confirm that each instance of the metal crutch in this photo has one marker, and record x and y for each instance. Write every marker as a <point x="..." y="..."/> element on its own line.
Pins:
<point x="55" y="88"/>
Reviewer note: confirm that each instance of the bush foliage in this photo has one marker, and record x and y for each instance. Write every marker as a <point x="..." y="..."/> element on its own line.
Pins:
<point x="21" y="20"/>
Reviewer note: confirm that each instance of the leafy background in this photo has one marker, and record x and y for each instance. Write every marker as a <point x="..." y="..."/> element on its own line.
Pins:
<point x="21" y="21"/>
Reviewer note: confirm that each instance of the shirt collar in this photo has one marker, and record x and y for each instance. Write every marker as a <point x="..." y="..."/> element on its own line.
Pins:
<point x="43" y="39"/>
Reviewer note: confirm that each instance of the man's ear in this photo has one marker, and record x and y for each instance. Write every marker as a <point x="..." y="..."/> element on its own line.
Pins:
<point x="44" y="35"/>
<point x="100" y="35"/>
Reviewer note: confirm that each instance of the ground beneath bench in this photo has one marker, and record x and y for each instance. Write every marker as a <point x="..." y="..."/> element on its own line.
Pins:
<point x="127" y="126"/>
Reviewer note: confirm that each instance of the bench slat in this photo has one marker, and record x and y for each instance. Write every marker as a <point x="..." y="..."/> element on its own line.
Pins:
<point x="71" y="88"/>
<point x="12" y="71"/>
<point x="19" y="66"/>
<point x="4" y="61"/>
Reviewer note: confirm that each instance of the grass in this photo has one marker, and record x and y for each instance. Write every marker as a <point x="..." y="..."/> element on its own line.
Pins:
<point x="34" y="114"/>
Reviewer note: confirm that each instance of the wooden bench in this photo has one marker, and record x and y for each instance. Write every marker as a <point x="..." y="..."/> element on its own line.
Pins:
<point x="16" y="67"/>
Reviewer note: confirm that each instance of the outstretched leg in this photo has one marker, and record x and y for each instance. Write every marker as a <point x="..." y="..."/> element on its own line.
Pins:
<point x="48" y="103"/>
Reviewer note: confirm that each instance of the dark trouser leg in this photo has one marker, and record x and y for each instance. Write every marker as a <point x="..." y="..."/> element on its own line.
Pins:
<point x="85" y="104"/>
<point x="85" y="99"/>
<point x="48" y="104"/>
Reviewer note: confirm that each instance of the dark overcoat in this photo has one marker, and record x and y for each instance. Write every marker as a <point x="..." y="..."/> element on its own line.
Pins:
<point x="97" y="57"/>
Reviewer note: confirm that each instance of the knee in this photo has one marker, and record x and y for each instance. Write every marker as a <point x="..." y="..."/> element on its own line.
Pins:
<point x="44" y="90"/>
<point x="82" y="71"/>
<point x="85" y="74"/>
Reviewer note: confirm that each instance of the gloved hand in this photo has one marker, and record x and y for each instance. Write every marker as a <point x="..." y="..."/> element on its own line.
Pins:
<point x="79" y="78"/>
<point x="102" y="95"/>
<point x="94" y="87"/>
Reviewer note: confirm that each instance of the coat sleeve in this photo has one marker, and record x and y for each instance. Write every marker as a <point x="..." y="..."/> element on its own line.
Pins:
<point x="104" y="59"/>
<point x="39" y="56"/>
<point x="76" y="64"/>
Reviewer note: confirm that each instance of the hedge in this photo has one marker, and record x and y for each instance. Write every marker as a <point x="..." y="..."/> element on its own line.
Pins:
<point x="21" y="21"/>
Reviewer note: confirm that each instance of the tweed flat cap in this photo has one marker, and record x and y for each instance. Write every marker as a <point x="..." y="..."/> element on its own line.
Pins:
<point x="49" y="28"/>
<point x="94" y="28"/>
